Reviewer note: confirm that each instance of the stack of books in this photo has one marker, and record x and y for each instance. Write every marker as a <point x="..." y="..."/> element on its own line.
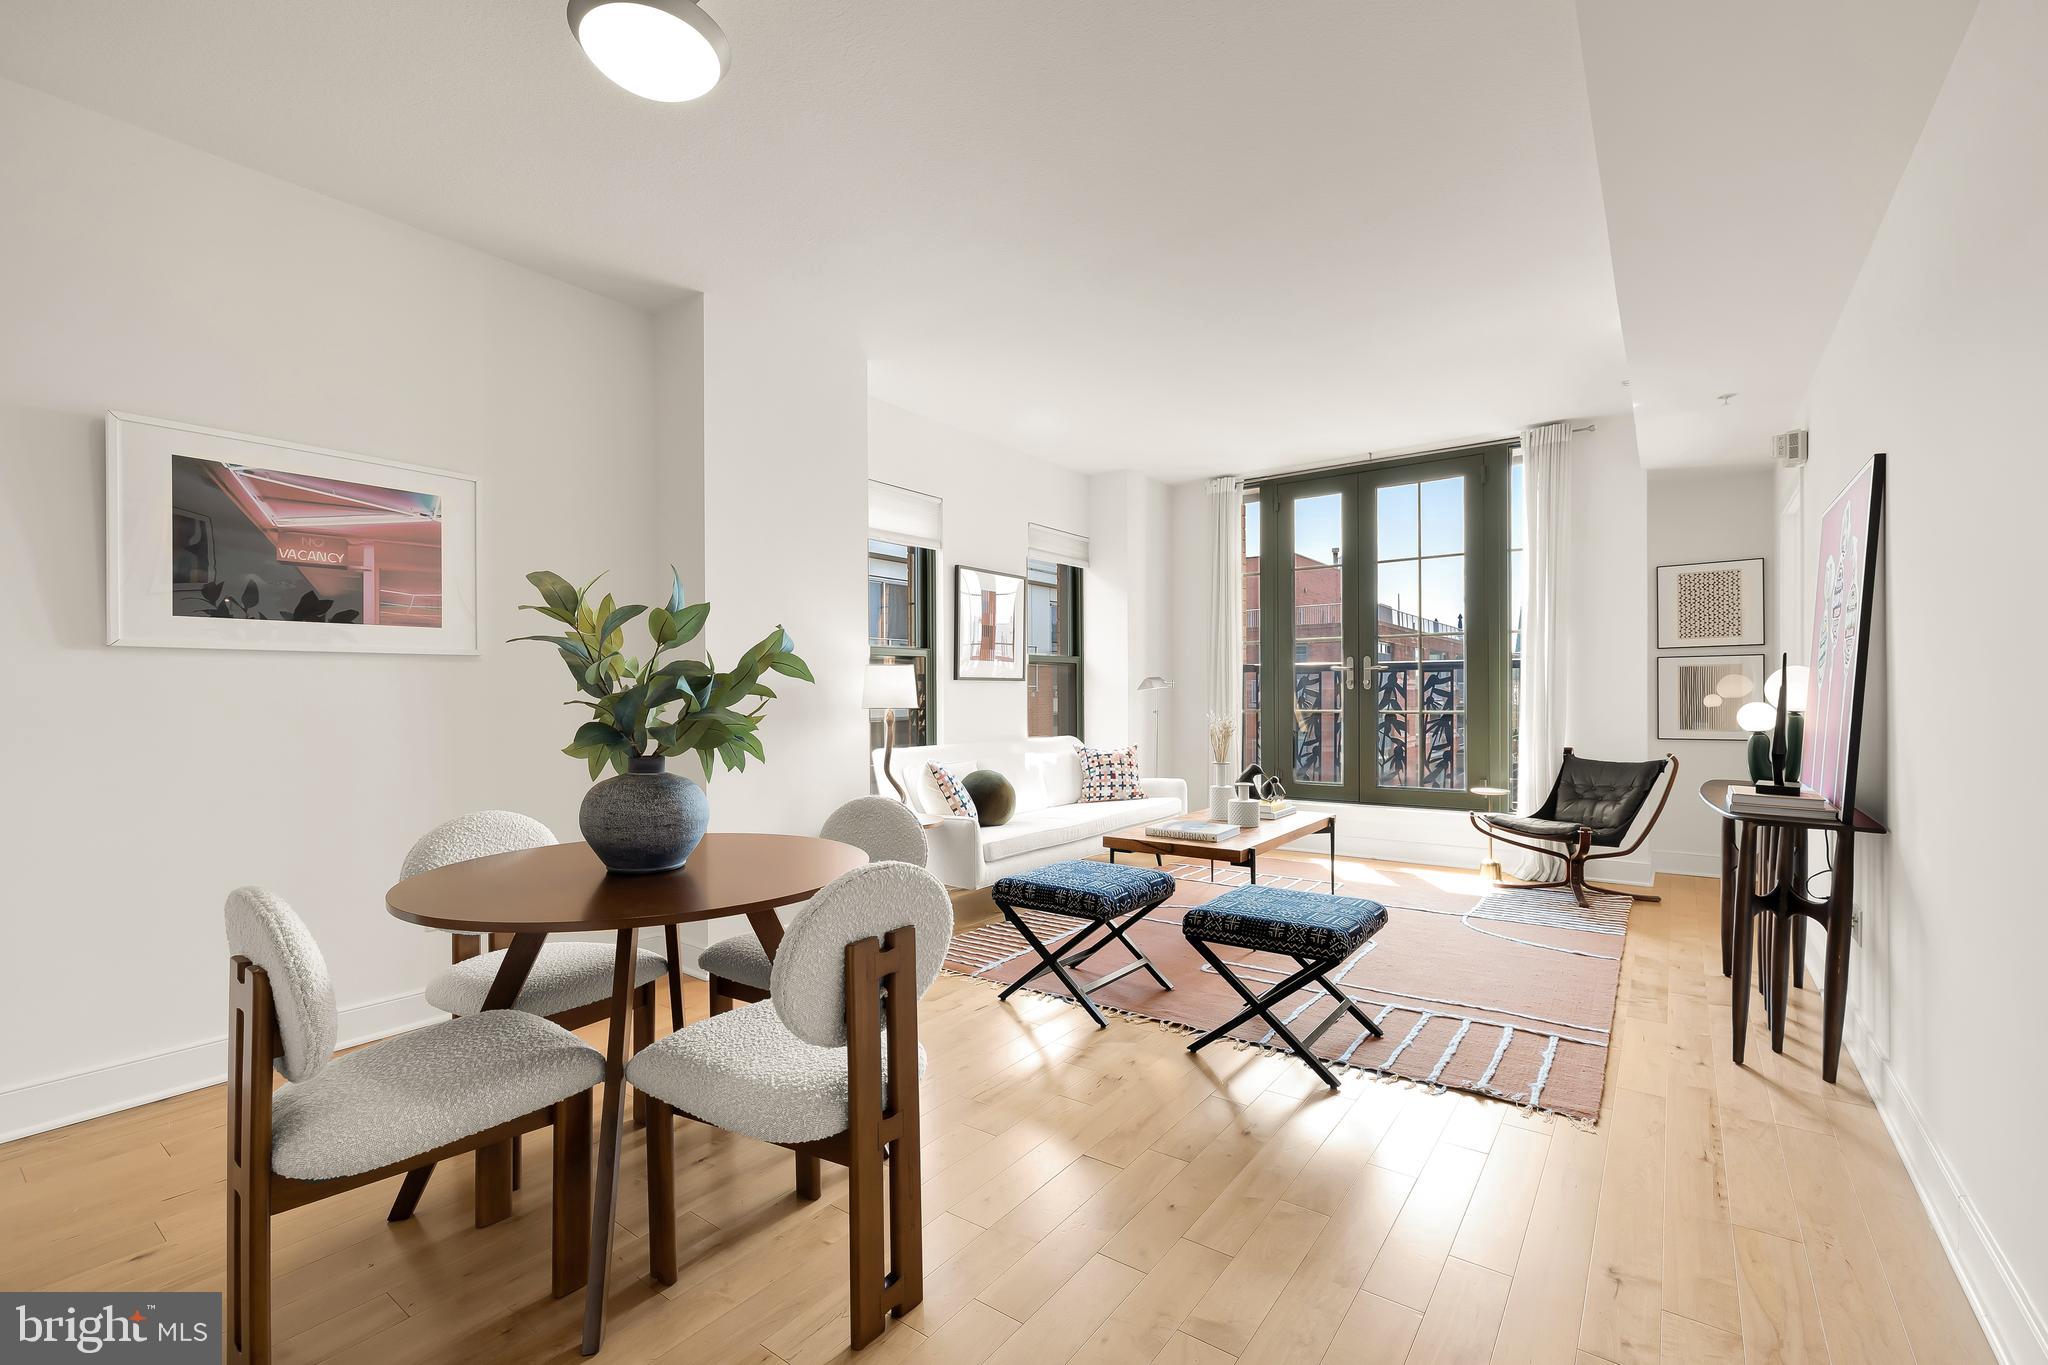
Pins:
<point x="1273" y="810"/>
<point x="1803" y="805"/>
<point x="1201" y="831"/>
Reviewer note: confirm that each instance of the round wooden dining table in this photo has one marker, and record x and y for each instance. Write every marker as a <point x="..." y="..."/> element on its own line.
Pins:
<point x="564" y="889"/>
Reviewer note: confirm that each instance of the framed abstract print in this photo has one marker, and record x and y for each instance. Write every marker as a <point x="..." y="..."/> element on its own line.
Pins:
<point x="1710" y="606"/>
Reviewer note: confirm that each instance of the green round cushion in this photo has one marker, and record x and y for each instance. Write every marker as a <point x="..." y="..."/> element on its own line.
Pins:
<point x="995" y="800"/>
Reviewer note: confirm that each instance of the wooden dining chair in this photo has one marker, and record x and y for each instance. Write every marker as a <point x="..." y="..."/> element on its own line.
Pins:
<point x="828" y="1067"/>
<point x="570" y="984"/>
<point x="462" y="1085"/>
<point x="887" y="831"/>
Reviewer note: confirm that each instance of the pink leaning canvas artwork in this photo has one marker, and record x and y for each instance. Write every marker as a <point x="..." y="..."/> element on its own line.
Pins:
<point x="1841" y="608"/>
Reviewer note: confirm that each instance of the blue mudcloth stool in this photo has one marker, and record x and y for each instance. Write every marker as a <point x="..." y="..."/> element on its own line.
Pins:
<point x="1317" y="931"/>
<point x="1112" y="898"/>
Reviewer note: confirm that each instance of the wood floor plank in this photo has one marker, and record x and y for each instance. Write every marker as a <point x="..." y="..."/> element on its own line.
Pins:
<point x="1069" y="1319"/>
<point x="1239" y="1300"/>
<point x="1545" y="1304"/>
<point x="1681" y="1341"/>
<point x="1407" y="1267"/>
<point x="1141" y="1326"/>
<point x="1624" y="1290"/>
<point x="1497" y="1219"/>
<point x="1375" y="1331"/>
<point x="1463" y="1318"/>
<point x="1780" y="1319"/>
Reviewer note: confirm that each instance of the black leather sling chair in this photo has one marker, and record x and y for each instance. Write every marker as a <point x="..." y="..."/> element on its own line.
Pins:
<point x="1591" y="805"/>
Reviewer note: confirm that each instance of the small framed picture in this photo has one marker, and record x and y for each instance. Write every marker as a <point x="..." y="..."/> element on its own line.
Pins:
<point x="1699" y="694"/>
<point x="988" y="624"/>
<point x="217" y="540"/>
<point x="1712" y="605"/>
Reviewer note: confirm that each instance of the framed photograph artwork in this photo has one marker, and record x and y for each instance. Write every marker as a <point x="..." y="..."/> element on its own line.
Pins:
<point x="988" y="624"/>
<point x="218" y="540"/>
<point x="1712" y="605"/>
<point x="1699" y="694"/>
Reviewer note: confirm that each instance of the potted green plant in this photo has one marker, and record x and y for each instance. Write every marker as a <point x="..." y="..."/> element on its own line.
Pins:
<point x="647" y="711"/>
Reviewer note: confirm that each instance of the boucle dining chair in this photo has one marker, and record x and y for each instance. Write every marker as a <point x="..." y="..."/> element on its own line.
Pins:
<point x="887" y="831"/>
<point x="570" y="984"/>
<point x="460" y="1085"/>
<point x="828" y="1067"/>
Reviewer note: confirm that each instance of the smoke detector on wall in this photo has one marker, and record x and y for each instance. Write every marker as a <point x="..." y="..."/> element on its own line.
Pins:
<point x="1790" y="448"/>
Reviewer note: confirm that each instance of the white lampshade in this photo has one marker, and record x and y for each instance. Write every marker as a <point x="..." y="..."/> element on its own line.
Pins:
<point x="890" y="687"/>
<point x="1154" y="683"/>
<point x="1757" y="716"/>
<point x="1796" y="701"/>
<point x="666" y="50"/>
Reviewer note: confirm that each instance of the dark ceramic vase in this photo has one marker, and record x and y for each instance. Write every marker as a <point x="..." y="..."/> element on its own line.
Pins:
<point x="645" y="819"/>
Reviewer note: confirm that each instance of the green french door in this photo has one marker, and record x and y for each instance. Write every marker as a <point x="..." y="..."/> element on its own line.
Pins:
<point x="1384" y="653"/>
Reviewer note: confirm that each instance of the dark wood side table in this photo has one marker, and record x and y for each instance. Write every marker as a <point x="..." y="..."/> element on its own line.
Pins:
<point x="563" y="889"/>
<point x="1764" y="872"/>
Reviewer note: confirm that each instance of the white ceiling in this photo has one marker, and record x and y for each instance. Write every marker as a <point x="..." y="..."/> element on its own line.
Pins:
<point x="1172" y="235"/>
<point x="1748" y="150"/>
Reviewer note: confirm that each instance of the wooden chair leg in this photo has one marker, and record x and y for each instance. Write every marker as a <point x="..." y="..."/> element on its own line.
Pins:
<point x="661" y="1191"/>
<point x="675" y="978"/>
<point x="247" y="1307"/>
<point x="866" y="1269"/>
<point x="720" y="1001"/>
<point x="810" y="1176"/>
<point x="572" y="1194"/>
<point x="493" y="1184"/>
<point x="643" y="1034"/>
<point x="409" y="1191"/>
<point x="518" y="1160"/>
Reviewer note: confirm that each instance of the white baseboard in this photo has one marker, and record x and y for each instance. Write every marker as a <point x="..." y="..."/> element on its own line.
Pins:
<point x="2011" y="1319"/>
<point x="1689" y="864"/>
<point x="59" y="1101"/>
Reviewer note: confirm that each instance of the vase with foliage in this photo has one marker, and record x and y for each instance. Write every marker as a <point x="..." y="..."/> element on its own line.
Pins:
<point x="647" y="711"/>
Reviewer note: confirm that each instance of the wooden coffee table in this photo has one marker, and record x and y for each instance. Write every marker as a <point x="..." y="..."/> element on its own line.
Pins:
<point x="1239" y="850"/>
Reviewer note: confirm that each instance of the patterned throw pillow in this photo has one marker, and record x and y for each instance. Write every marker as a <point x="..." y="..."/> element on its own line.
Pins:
<point x="953" y="787"/>
<point x="1110" y="774"/>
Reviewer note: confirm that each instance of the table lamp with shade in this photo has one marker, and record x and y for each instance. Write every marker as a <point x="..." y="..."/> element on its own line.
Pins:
<point x="1777" y="730"/>
<point x="1154" y="683"/>
<point x="890" y="688"/>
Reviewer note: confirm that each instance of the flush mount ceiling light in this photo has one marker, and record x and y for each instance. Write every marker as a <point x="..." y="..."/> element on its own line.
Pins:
<point x="667" y="50"/>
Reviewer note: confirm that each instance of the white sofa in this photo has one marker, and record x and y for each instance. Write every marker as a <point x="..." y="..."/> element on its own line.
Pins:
<point x="1051" y="822"/>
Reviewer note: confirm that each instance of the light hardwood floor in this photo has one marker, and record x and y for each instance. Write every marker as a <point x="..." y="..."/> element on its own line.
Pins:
<point x="1102" y="1197"/>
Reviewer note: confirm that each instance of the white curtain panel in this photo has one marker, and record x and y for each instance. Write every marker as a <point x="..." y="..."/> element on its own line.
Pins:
<point x="1546" y="495"/>
<point x="1224" y="684"/>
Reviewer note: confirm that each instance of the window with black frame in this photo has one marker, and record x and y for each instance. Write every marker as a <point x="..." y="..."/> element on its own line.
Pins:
<point x="1394" y="613"/>
<point x="1053" y="632"/>
<point x="900" y="631"/>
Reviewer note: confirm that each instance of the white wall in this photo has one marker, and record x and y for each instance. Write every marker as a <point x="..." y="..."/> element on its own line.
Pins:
<point x="1697" y="515"/>
<point x="1938" y="360"/>
<point x="1127" y="620"/>
<point x="141" y="785"/>
<point x="992" y="494"/>
<point x="1606" y="665"/>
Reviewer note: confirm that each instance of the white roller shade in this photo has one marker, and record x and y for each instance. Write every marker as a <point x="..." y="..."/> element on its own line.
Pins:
<point x="904" y="515"/>
<point x="1061" y="547"/>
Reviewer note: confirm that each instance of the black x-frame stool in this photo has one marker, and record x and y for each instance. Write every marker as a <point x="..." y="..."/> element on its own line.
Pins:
<point x="1111" y="898"/>
<point x="1315" y="931"/>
